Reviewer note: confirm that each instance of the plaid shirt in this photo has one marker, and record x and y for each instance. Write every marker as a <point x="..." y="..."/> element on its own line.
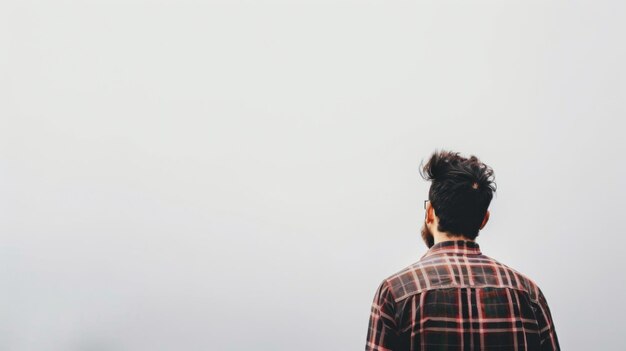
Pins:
<point x="456" y="298"/>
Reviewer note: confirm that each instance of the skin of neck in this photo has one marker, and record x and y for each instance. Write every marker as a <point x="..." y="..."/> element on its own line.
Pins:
<point x="432" y="221"/>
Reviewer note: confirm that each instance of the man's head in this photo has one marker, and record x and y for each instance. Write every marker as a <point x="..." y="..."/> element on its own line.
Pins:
<point x="459" y="196"/>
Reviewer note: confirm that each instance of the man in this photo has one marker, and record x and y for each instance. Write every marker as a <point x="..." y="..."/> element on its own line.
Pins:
<point x="454" y="297"/>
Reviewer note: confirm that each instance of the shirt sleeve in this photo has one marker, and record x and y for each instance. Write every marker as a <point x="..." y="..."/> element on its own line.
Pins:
<point x="381" y="334"/>
<point x="547" y="333"/>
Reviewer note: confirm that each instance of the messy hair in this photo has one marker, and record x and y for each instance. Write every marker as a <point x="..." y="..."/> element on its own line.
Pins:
<point x="460" y="192"/>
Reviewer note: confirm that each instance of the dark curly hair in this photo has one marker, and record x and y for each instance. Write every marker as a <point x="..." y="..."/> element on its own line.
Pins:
<point x="461" y="191"/>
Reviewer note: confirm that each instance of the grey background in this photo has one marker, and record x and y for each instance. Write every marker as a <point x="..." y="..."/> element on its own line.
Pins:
<point x="241" y="175"/>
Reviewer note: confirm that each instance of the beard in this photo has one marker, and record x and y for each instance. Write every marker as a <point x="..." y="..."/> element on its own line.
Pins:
<point x="427" y="236"/>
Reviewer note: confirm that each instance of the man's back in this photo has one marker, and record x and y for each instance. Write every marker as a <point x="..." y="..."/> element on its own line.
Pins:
<point x="456" y="298"/>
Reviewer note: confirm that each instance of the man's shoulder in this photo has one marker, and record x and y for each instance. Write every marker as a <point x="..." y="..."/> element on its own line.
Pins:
<point x="413" y="278"/>
<point x="521" y="281"/>
<point x="444" y="271"/>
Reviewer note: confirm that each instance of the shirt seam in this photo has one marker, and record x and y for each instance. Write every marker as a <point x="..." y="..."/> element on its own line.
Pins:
<point x="399" y="299"/>
<point x="395" y="307"/>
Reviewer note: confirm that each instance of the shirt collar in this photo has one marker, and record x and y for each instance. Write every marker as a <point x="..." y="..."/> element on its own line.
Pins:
<point x="463" y="247"/>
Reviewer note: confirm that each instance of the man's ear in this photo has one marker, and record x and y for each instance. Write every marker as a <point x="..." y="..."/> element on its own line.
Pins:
<point x="485" y="220"/>
<point x="430" y="213"/>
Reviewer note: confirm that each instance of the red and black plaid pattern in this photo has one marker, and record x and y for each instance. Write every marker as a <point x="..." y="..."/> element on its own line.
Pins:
<point x="456" y="298"/>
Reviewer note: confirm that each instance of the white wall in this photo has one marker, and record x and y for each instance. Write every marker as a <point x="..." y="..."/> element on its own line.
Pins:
<point x="241" y="175"/>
